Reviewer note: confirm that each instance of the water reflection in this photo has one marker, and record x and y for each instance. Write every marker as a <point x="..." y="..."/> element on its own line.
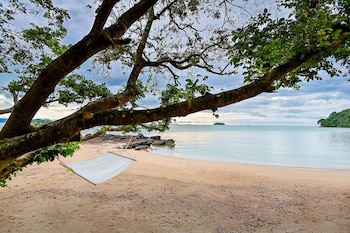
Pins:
<point x="270" y="145"/>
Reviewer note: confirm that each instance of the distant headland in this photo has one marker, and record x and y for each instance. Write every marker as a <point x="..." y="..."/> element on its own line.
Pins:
<point x="340" y="119"/>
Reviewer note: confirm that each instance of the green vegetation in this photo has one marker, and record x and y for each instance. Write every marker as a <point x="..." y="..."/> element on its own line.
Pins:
<point x="39" y="156"/>
<point x="341" y="119"/>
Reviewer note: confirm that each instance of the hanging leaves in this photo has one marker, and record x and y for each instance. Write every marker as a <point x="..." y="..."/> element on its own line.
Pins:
<point x="268" y="42"/>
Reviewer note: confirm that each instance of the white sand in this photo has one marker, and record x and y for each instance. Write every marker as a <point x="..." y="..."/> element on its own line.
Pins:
<point x="167" y="194"/>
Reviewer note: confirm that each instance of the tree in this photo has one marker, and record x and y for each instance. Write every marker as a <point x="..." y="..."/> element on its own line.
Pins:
<point x="153" y="39"/>
<point x="341" y="119"/>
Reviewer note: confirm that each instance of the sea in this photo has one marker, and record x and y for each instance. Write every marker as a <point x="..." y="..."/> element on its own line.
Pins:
<point x="289" y="146"/>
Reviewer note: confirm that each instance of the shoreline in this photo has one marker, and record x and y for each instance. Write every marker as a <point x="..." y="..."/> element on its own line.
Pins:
<point x="171" y="194"/>
<point x="252" y="164"/>
<point x="331" y="176"/>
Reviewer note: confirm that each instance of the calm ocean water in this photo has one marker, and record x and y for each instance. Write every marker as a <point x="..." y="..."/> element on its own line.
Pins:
<point x="292" y="146"/>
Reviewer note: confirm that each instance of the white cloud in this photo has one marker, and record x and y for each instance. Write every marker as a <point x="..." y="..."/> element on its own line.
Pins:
<point x="288" y="108"/>
<point x="3" y="98"/>
<point x="5" y="102"/>
<point x="56" y="111"/>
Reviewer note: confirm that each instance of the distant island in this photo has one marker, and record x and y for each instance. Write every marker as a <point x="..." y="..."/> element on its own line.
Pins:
<point x="219" y="123"/>
<point x="341" y="119"/>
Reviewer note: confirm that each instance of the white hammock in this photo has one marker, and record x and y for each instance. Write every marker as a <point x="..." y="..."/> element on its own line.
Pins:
<point x="101" y="168"/>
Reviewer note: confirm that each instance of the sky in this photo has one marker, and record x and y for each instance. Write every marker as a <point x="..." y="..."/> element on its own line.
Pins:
<point x="315" y="100"/>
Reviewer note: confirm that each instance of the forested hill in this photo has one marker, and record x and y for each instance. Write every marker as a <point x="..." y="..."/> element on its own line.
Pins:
<point x="341" y="119"/>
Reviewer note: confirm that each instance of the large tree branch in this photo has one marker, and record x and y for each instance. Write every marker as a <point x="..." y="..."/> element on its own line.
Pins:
<point x="68" y="129"/>
<point x="4" y="111"/>
<point x="201" y="103"/>
<point x="103" y="13"/>
<point x="20" y="162"/>
<point x="138" y="59"/>
<point x="24" y="111"/>
<point x="131" y="89"/>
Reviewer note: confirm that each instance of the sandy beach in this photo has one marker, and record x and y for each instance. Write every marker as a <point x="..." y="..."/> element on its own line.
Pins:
<point x="167" y="194"/>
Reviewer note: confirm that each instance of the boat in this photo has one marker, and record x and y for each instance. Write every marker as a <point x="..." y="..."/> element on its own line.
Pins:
<point x="219" y="123"/>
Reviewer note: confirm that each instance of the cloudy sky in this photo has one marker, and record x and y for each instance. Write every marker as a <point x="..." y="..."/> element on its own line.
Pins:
<point x="315" y="100"/>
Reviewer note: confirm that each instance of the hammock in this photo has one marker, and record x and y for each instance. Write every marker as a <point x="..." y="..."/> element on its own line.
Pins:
<point x="101" y="168"/>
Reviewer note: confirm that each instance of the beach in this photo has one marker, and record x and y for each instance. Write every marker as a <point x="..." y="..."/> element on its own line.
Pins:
<point x="170" y="194"/>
